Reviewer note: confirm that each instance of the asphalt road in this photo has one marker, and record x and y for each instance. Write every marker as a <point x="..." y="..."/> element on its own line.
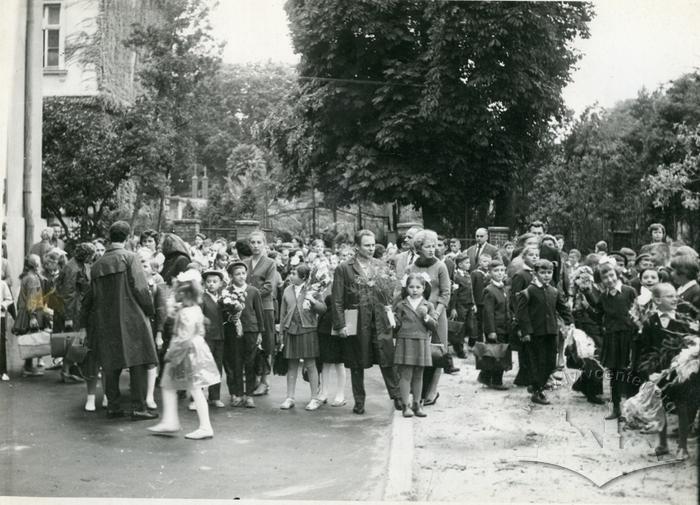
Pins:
<point x="51" y="447"/>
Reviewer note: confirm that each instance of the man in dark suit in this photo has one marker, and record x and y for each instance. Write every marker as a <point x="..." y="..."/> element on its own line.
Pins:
<point x="261" y="274"/>
<point x="406" y="258"/>
<point x="371" y="342"/>
<point x="482" y="246"/>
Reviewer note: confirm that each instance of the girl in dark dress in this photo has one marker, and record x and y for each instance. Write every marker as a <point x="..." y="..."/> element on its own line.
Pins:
<point x="331" y="348"/>
<point x="614" y="304"/>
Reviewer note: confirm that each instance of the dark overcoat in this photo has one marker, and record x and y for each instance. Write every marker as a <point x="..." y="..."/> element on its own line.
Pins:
<point x="118" y="306"/>
<point x="373" y="343"/>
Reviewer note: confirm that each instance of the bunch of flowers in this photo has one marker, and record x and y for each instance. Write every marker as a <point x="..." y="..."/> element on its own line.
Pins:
<point x="319" y="280"/>
<point x="379" y="286"/>
<point x="232" y="303"/>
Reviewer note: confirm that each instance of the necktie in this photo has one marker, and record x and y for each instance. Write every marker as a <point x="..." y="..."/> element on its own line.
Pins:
<point x="478" y="253"/>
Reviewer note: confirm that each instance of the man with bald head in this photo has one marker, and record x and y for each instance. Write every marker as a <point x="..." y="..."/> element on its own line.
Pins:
<point x="407" y="258"/>
<point x="482" y="246"/>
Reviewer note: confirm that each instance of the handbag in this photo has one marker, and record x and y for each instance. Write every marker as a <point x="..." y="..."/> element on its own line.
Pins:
<point x="77" y="348"/>
<point x="280" y="364"/>
<point x="60" y="343"/>
<point x="438" y="354"/>
<point x="34" y="345"/>
<point x="492" y="357"/>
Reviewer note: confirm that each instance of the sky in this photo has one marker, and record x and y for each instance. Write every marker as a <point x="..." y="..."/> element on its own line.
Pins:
<point x="633" y="44"/>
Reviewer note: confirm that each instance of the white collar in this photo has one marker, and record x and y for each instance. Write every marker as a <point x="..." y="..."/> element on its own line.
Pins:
<point x="413" y="304"/>
<point x="669" y="315"/>
<point x="537" y="282"/>
<point x="214" y="297"/>
<point x="617" y="288"/>
<point x="297" y="289"/>
<point x="685" y="287"/>
<point x="239" y="290"/>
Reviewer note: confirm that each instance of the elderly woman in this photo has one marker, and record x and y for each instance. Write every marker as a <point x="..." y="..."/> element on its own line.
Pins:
<point x="30" y="307"/>
<point x="425" y="243"/>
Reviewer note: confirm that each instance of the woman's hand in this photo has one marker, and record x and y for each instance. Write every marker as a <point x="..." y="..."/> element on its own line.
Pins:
<point x="492" y="336"/>
<point x="526" y="338"/>
<point x="33" y="323"/>
<point x="159" y="340"/>
<point x="453" y="314"/>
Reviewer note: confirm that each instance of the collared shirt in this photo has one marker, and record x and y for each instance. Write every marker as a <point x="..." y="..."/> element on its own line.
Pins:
<point x="241" y="289"/>
<point x="616" y="289"/>
<point x="665" y="317"/>
<point x="537" y="282"/>
<point x="414" y="302"/>
<point x="297" y="289"/>
<point x="213" y="296"/>
<point x="685" y="287"/>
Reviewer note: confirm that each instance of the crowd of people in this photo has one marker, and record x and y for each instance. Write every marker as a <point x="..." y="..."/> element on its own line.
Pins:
<point x="183" y="316"/>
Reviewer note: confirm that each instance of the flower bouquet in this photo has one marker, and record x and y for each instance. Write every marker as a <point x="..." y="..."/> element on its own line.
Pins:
<point x="319" y="280"/>
<point x="379" y="286"/>
<point x="232" y="303"/>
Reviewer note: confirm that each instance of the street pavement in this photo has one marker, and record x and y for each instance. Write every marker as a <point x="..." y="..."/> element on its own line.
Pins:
<point x="51" y="447"/>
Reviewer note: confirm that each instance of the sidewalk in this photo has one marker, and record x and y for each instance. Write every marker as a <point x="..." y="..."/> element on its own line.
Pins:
<point x="480" y="445"/>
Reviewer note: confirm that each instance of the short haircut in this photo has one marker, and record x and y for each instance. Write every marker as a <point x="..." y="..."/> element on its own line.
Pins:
<point x="658" y="289"/>
<point x="685" y="266"/>
<point x="46" y="234"/>
<point x="601" y="246"/>
<point x="422" y="236"/>
<point x="543" y="265"/>
<point x="441" y="238"/>
<point x="536" y="224"/>
<point x="642" y="272"/>
<point x="318" y="241"/>
<point x="362" y="233"/>
<point x="302" y="270"/>
<point x="258" y="233"/>
<point x="524" y="238"/>
<point x="657" y="227"/>
<point x="99" y="240"/>
<point x="200" y="235"/>
<point x="119" y="231"/>
<point x="575" y="252"/>
<point x="495" y="264"/>
<point x="379" y="251"/>
<point x="485" y="255"/>
<point x="461" y="257"/>
<point x="455" y="241"/>
<point x="559" y="236"/>
<point x="627" y="251"/>
<point x="243" y="248"/>
<point x="606" y="267"/>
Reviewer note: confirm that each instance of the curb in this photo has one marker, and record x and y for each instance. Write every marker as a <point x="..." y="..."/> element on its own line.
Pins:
<point x="399" y="482"/>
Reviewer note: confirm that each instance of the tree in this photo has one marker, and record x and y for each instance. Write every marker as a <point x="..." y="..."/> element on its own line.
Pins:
<point x="83" y="162"/>
<point x="434" y="104"/>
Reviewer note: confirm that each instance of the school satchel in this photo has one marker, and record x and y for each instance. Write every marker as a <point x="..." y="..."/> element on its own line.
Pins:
<point x="455" y="331"/>
<point x="280" y="364"/>
<point x="492" y="357"/>
<point x="77" y="348"/>
<point x="60" y="343"/>
<point x="34" y="345"/>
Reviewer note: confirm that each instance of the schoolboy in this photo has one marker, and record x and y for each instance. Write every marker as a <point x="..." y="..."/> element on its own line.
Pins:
<point x="240" y="350"/>
<point x="496" y="318"/>
<point x="462" y="306"/>
<point x="479" y="282"/>
<point x="214" y="323"/>
<point x="684" y="273"/>
<point x="537" y="309"/>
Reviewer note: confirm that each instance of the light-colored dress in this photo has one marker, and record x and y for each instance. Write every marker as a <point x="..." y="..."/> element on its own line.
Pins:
<point x="189" y="362"/>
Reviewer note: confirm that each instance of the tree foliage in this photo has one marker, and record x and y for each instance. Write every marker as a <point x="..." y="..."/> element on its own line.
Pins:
<point x="434" y="104"/>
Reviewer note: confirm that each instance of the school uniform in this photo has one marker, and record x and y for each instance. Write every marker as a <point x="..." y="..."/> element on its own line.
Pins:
<point x="299" y="325"/>
<point x="690" y="294"/>
<point x="462" y="300"/>
<point x="413" y="333"/>
<point x="496" y="320"/>
<point x="519" y="281"/>
<point x="214" y="336"/>
<point x="480" y="280"/>
<point x="537" y="310"/>
<point x="240" y="350"/>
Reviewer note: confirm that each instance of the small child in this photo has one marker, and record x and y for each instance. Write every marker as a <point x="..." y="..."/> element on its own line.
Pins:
<point x="496" y="319"/>
<point x="188" y="363"/>
<point x="241" y="347"/>
<point x="415" y="319"/>
<point x="614" y="304"/>
<point x="6" y="304"/>
<point x="537" y="308"/>
<point x="479" y="281"/>
<point x="298" y="322"/>
<point x="462" y="306"/>
<point x="214" y="327"/>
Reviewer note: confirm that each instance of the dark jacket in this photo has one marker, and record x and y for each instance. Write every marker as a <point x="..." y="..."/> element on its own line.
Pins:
<point x="690" y="296"/>
<point x="118" y="306"/>
<point x="176" y="255"/>
<point x="214" y="322"/>
<point x="489" y="249"/>
<point x="537" y="309"/>
<point x="252" y="318"/>
<point x="614" y="310"/>
<point x="480" y="280"/>
<point x="462" y="296"/>
<point x="496" y="313"/>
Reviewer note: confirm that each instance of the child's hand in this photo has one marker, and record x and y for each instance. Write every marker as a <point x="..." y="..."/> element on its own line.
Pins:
<point x="422" y="311"/>
<point x="258" y="340"/>
<point x="33" y="323"/>
<point x="159" y="340"/>
<point x="526" y="338"/>
<point x="492" y="336"/>
<point x="474" y="309"/>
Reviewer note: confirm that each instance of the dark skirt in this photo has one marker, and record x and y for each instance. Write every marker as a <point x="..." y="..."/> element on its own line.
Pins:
<point x="331" y="348"/>
<point x="301" y="346"/>
<point x="616" y="349"/>
<point x="413" y="351"/>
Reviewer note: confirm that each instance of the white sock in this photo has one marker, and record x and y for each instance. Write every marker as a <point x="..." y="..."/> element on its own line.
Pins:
<point x="90" y="403"/>
<point x="105" y="402"/>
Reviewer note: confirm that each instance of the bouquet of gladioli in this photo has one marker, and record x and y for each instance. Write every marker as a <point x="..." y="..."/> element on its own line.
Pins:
<point x="232" y="304"/>
<point x="379" y="286"/>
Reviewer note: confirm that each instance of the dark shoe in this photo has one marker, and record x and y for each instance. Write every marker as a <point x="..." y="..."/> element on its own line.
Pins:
<point x="418" y="410"/>
<point x="451" y="371"/>
<point x="397" y="404"/>
<point x="530" y="389"/>
<point x="68" y="378"/>
<point x="539" y="398"/>
<point x="407" y="412"/>
<point x="499" y="387"/>
<point x="595" y="399"/>
<point x="113" y="414"/>
<point x="614" y="415"/>
<point x="358" y="409"/>
<point x="433" y="401"/>
<point x="143" y="415"/>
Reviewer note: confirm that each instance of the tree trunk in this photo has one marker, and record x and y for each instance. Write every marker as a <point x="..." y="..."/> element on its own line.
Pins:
<point x="137" y="207"/>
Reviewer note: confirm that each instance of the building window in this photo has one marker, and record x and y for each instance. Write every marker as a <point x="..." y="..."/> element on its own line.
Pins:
<point x="53" y="37"/>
